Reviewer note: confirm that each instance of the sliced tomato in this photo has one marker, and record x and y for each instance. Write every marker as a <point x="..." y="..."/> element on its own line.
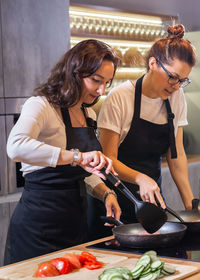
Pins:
<point x="62" y="264"/>
<point x="93" y="265"/>
<point x="89" y="261"/>
<point x="74" y="260"/>
<point x="82" y="259"/>
<point x="88" y="256"/>
<point x="46" y="269"/>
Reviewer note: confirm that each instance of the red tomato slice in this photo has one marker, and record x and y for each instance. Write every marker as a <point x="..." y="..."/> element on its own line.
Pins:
<point x="88" y="257"/>
<point x="62" y="265"/>
<point x="46" y="269"/>
<point x="91" y="266"/>
<point x="74" y="260"/>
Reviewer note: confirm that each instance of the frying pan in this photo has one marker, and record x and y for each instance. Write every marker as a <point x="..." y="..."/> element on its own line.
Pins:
<point x="134" y="235"/>
<point x="191" y="218"/>
<point x="149" y="215"/>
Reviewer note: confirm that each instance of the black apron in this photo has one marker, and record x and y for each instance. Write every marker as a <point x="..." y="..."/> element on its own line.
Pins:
<point x="51" y="214"/>
<point x="142" y="150"/>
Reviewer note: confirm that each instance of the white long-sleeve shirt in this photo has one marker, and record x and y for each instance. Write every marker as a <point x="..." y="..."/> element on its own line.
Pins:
<point x="38" y="137"/>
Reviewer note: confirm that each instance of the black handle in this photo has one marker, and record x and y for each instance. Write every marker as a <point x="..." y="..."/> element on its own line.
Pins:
<point x="172" y="212"/>
<point x="111" y="177"/>
<point x="195" y="204"/>
<point x="120" y="186"/>
<point x="111" y="220"/>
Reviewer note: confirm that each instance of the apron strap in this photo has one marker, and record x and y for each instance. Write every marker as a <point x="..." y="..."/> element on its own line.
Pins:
<point x="66" y="118"/>
<point x="90" y="122"/>
<point x="170" y="117"/>
<point x="138" y="94"/>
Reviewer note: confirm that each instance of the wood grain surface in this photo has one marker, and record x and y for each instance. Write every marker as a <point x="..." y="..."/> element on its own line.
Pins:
<point x="25" y="270"/>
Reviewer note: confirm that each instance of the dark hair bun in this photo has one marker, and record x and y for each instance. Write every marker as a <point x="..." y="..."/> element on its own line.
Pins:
<point x="176" y="31"/>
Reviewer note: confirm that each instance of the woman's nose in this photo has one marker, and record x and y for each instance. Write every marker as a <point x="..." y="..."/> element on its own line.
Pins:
<point x="101" y="89"/>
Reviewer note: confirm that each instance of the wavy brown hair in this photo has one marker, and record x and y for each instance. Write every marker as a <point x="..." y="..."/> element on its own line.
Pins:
<point x="64" y="85"/>
<point x="173" y="46"/>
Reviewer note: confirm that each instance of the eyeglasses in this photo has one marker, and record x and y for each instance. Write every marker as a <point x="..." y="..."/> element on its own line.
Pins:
<point x="172" y="80"/>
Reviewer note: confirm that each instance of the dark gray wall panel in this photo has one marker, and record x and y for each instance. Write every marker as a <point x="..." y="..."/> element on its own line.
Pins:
<point x="35" y="34"/>
<point x="4" y="221"/>
<point x="1" y="71"/>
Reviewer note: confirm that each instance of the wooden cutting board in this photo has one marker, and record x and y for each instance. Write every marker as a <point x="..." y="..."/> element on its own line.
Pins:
<point x="25" y="270"/>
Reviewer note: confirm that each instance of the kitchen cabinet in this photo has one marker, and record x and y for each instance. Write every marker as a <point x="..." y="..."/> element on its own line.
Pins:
<point x="6" y="210"/>
<point x="130" y="34"/>
<point x="4" y="221"/>
<point x="34" y="36"/>
<point x="1" y="67"/>
<point x="3" y="156"/>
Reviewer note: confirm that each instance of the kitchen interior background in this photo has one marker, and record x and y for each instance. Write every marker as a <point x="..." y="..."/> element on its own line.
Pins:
<point x="34" y="34"/>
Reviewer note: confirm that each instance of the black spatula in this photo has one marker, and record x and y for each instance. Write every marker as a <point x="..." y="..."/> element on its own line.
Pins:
<point x="148" y="215"/>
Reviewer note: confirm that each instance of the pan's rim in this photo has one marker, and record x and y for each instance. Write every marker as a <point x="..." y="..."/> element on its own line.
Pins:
<point x="182" y="228"/>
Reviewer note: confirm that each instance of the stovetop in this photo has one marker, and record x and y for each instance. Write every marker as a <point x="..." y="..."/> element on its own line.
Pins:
<point x="188" y="248"/>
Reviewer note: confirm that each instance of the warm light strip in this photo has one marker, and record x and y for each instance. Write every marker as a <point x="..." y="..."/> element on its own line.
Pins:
<point x="116" y="17"/>
<point x="130" y="70"/>
<point x="114" y="43"/>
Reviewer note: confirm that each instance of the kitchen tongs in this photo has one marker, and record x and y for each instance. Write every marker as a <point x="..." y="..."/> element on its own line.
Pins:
<point x="148" y="215"/>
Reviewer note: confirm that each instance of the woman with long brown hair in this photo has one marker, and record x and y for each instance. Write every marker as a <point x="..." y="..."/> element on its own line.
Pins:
<point x="55" y="140"/>
<point x="140" y="121"/>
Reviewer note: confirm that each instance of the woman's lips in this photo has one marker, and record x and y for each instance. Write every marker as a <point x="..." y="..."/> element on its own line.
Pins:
<point x="93" y="96"/>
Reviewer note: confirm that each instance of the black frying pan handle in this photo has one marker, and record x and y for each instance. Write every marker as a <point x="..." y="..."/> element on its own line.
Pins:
<point x="195" y="204"/>
<point x="117" y="183"/>
<point x="111" y="220"/>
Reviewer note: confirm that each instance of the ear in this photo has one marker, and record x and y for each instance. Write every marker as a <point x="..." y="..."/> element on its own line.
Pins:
<point x="152" y="63"/>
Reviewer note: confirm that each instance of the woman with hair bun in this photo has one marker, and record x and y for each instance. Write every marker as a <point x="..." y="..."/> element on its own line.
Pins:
<point x="140" y="121"/>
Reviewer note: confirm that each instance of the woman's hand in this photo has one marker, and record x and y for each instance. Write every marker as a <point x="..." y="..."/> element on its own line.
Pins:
<point x="94" y="161"/>
<point x="149" y="190"/>
<point x="112" y="207"/>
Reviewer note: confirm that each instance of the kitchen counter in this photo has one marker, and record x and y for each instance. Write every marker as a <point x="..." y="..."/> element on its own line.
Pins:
<point x="30" y="265"/>
<point x="171" y="260"/>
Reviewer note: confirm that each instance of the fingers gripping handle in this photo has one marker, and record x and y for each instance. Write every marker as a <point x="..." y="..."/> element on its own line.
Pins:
<point x="117" y="183"/>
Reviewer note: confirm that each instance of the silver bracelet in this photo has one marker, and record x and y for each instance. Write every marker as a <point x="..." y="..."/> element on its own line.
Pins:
<point x="107" y="193"/>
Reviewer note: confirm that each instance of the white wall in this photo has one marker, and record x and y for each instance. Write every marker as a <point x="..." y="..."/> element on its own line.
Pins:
<point x="187" y="10"/>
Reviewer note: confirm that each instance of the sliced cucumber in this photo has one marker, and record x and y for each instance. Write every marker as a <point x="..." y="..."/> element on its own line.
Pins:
<point x="144" y="260"/>
<point x="151" y="253"/>
<point x="145" y="272"/>
<point x="147" y="277"/>
<point x="118" y="273"/>
<point x="148" y="267"/>
<point x="136" y="273"/>
<point x="158" y="264"/>
<point x="168" y="268"/>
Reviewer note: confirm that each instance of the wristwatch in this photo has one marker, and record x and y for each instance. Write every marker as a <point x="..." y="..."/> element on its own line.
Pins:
<point x="77" y="157"/>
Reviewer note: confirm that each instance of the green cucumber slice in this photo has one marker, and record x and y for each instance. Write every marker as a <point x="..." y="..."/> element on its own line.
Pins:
<point x="147" y="277"/>
<point x="168" y="268"/>
<point x="144" y="260"/>
<point x="158" y="264"/>
<point x="137" y="273"/>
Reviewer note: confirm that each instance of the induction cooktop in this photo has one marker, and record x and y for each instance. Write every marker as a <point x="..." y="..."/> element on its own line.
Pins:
<point x="188" y="248"/>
